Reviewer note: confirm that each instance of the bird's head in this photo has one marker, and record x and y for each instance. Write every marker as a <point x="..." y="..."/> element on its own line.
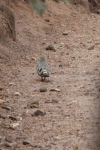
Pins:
<point x="42" y="58"/>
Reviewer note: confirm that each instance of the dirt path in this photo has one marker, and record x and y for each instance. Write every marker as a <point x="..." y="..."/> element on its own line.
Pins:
<point x="71" y="117"/>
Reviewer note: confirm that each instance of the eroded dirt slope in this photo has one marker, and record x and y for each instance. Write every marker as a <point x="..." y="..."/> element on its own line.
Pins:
<point x="71" y="117"/>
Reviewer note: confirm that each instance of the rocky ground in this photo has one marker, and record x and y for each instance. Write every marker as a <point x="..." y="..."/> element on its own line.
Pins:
<point x="66" y="116"/>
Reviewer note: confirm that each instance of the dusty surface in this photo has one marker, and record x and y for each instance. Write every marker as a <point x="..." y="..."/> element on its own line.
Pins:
<point x="74" y="122"/>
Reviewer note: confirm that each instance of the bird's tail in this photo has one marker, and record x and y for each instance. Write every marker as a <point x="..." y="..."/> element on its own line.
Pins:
<point x="45" y="72"/>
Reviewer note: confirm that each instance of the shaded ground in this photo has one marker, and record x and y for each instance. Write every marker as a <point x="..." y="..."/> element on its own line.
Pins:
<point x="74" y="122"/>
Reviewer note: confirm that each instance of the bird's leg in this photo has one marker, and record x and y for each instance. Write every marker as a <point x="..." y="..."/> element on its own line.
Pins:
<point x="44" y="78"/>
<point x="41" y="78"/>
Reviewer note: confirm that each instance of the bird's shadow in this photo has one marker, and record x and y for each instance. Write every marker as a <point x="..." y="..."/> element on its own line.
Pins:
<point x="45" y="81"/>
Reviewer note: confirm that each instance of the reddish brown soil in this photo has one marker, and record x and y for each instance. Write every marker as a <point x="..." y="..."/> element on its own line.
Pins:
<point x="74" y="122"/>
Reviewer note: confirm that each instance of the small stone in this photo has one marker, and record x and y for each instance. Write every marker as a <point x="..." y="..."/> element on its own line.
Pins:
<point x="26" y="143"/>
<point x="56" y="90"/>
<point x="3" y="116"/>
<point x="2" y="95"/>
<point x="14" y="126"/>
<point x="12" y="83"/>
<point x="12" y="118"/>
<point x="86" y="94"/>
<point x="65" y="33"/>
<point x="17" y="94"/>
<point x="2" y="101"/>
<point x="33" y="58"/>
<point x="39" y="113"/>
<point x="75" y="148"/>
<point x="91" y="47"/>
<point x="48" y="101"/>
<point x="98" y="11"/>
<point x="33" y="105"/>
<point x="54" y="101"/>
<point x="57" y="1"/>
<point x="1" y="88"/>
<point x="7" y="144"/>
<point x="50" y="47"/>
<point x="97" y="43"/>
<point x="43" y="43"/>
<point x="43" y="90"/>
<point x="4" y="106"/>
<point x="60" y="65"/>
<point x="70" y="103"/>
<point x="47" y="20"/>
<point x="2" y="139"/>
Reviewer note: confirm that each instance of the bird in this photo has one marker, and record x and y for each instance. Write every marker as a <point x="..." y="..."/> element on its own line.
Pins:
<point x="43" y="69"/>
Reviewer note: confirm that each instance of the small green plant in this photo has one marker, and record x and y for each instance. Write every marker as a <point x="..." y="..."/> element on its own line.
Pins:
<point x="40" y="5"/>
<point x="37" y="5"/>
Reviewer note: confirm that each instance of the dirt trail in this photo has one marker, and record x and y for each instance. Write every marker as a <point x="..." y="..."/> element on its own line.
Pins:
<point x="72" y="122"/>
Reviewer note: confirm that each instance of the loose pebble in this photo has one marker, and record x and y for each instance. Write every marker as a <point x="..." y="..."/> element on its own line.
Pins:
<point x="33" y="105"/>
<point x="43" y="90"/>
<point x="17" y="94"/>
<point x="50" y="47"/>
<point x="56" y="90"/>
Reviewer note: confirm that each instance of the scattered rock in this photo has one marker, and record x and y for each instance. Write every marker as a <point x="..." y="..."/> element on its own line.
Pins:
<point x="57" y="1"/>
<point x="54" y="101"/>
<point x="38" y="146"/>
<point x="7" y="144"/>
<point x="56" y="90"/>
<point x="67" y="53"/>
<point x="97" y="43"/>
<point x="98" y="11"/>
<point x="1" y="88"/>
<point x="60" y="65"/>
<point x="12" y="118"/>
<point x="2" y="140"/>
<point x="17" y="94"/>
<point x="43" y="90"/>
<point x="33" y="58"/>
<point x="39" y="113"/>
<point x="50" y="47"/>
<point x="2" y="101"/>
<point x="3" y="116"/>
<point x="6" y="95"/>
<point x="12" y="83"/>
<point x="65" y="33"/>
<point x="48" y="101"/>
<point x="71" y="102"/>
<point x="88" y="73"/>
<point x="2" y="95"/>
<point x="91" y="47"/>
<point x="27" y="143"/>
<point x="86" y="94"/>
<point x="9" y="139"/>
<point x="4" y="106"/>
<point x="47" y="20"/>
<point x="33" y="105"/>
<point x="13" y="126"/>
<point x="43" y="43"/>
<point x="75" y="148"/>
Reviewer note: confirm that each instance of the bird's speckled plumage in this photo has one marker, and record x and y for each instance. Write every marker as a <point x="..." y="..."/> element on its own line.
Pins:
<point x="43" y="69"/>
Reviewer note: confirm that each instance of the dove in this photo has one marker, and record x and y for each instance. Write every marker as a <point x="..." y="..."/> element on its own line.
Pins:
<point x="43" y="69"/>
